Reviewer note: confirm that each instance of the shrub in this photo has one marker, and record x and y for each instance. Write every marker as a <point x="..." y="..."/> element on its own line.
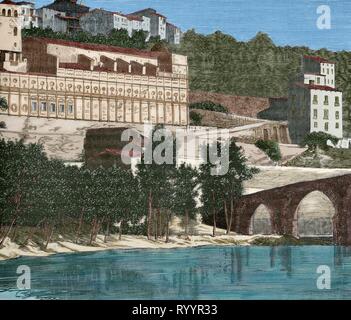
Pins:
<point x="208" y="105"/>
<point x="195" y="118"/>
<point x="2" y="125"/>
<point x="318" y="139"/>
<point x="271" y="148"/>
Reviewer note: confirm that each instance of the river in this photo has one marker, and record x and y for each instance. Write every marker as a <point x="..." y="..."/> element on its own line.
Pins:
<point x="216" y="272"/>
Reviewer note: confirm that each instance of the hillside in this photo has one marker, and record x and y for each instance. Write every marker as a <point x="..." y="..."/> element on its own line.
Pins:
<point x="218" y="63"/>
<point x="332" y="158"/>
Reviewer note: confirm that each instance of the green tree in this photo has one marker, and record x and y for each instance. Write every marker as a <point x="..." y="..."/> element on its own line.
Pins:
<point x="271" y="148"/>
<point x="185" y="193"/>
<point x="21" y="167"/>
<point x="208" y="105"/>
<point x="318" y="140"/>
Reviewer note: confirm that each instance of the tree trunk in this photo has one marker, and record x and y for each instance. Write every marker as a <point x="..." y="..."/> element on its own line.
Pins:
<point x="226" y="214"/>
<point x="98" y="227"/>
<point x="167" y="227"/>
<point x="149" y="218"/>
<point x="120" y="231"/>
<point x="159" y="223"/>
<point x="79" y="225"/>
<point x="30" y="235"/>
<point x="107" y="231"/>
<point x="155" y="224"/>
<point x="214" y="223"/>
<point x="8" y="230"/>
<point x="214" y="215"/>
<point x="49" y="237"/>
<point x="92" y="232"/>
<point x="231" y="215"/>
<point x="186" y="222"/>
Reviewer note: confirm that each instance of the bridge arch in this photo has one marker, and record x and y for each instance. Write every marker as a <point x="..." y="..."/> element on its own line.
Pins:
<point x="315" y="214"/>
<point x="261" y="220"/>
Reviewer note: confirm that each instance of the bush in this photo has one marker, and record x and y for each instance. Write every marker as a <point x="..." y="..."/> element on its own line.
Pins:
<point x="2" y="125"/>
<point x="271" y="148"/>
<point x="318" y="139"/>
<point x="208" y="105"/>
<point x="195" y="118"/>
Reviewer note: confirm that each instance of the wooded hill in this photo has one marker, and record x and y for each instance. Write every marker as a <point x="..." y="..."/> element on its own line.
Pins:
<point x="259" y="68"/>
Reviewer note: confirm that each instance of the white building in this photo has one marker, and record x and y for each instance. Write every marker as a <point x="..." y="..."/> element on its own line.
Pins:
<point x="52" y="19"/>
<point x="10" y="35"/>
<point x="314" y="102"/>
<point x="99" y="21"/>
<point x="28" y="17"/>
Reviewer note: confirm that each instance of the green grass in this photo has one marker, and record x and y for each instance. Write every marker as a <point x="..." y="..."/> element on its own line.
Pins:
<point x="331" y="158"/>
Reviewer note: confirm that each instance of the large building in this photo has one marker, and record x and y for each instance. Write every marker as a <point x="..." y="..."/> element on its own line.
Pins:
<point x="314" y="102"/>
<point x="99" y="21"/>
<point x="61" y="15"/>
<point x="69" y="80"/>
<point x="159" y="27"/>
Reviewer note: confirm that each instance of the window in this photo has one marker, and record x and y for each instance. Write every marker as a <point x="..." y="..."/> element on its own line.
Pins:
<point x="315" y="124"/>
<point x="315" y="99"/>
<point x="9" y="12"/>
<point x="326" y="126"/>
<point x="326" y="115"/>
<point x="326" y="100"/>
<point x="15" y="13"/>
<point x="337" y="115"/>
<point x="61" y="108"/>
<point x="3" y="12"/>
<point x="318" y="80"/>
<point x="15" y="31"/>
<point x="336" y="125"/>
<point x="42" y="106"/>
<point x="332" y="71"/>
<point x="327" y="70"/>
<point x="52" y="107"/>
<point x="315" y="113"/>
<point x="337" y="102"/>
<point x="70" y="108"/>
<point x="34" y="106"/>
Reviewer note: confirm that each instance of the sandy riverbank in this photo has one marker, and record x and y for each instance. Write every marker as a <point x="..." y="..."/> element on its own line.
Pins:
<point x="201" y="236"/>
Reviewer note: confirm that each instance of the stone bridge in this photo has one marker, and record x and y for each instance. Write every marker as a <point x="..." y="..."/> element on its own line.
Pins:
<point x="282" y="204"/>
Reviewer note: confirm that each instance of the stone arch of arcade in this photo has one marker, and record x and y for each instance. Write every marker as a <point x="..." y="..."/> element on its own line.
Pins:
<point x="282" y="204"/>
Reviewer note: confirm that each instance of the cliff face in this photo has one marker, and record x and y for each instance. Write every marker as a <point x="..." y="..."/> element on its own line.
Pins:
<point x="239" y="105"/>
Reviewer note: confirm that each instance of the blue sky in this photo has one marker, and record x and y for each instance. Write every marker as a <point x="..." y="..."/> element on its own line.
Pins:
<point x="288" y="22"/>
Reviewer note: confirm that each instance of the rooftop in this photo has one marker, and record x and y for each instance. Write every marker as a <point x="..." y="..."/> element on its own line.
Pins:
<point x="318" y="59"/>
<point x="315" y="87"/>
<point x="98" y="47"/>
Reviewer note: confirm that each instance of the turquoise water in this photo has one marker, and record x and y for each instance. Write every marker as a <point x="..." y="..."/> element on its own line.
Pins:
<point x="192" y="273"/>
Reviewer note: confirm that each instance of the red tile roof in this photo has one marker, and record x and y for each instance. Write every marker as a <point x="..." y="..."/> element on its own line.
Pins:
<point x="133" y="17"/>
<point x="98" y="47"/>
<point x="9" y="2"/>
<point x="318" y="59"/>
<point x="66" y="17"/>
<point x="315" y="87"/>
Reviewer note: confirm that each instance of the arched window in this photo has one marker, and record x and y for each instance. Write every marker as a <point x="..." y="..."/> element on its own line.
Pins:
<point x="15" y="31"/>
<point x="3" y="12"/>
<point x="9" y="12"/>
<point x="15" y="13"/>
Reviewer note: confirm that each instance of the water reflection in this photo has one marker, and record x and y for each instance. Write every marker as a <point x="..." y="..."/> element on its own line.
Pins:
<point x="195" y="273"/>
